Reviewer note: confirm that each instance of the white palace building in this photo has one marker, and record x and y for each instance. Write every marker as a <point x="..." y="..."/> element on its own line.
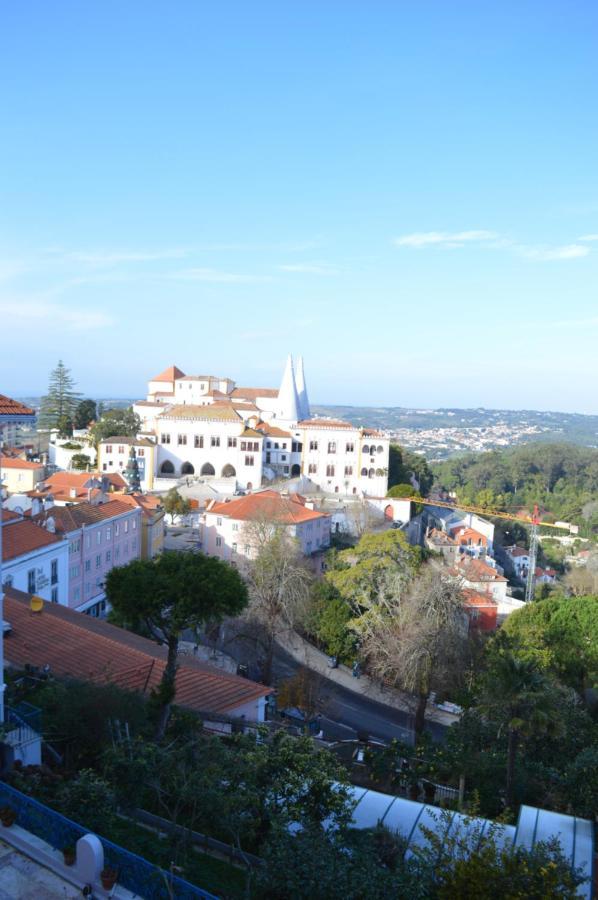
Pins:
<point x="205" y="426"/>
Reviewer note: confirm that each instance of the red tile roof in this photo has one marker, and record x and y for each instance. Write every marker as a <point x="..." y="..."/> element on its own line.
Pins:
<point x="517" y="551"/>
<point x="169" y="374"/>
<point x="476" y="570"/>
<point x="325" y="423"/>
<point x="70" y="518"/>
<point x="268" y="505"/>
<point x="24" y="536"/>
<point x="10" y="407"/>
<point x="440" y="537"/>
<point x="9" y="516"/>
<point x="148" y="503"/>
<point x="272" y="430"/>
<point x="477" y="598"/>
<point x="61" y="483"/>
<point x="250" y="393"/>
<point x="79" y="646"/>
<point x="9" y="462"/>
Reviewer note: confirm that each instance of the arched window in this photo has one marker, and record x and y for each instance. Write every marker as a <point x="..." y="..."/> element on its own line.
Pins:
<point x="208" y="469"/>
<point x="187" y="469"/>
<point x="364" y="472"/>
<point x="366" y="450"/>
<point x="380" y="448"/>
<point x="371" y="473"/>
<point x="228" y="471"/>
<point x="295" y="470"/>
<point x="167" y="468"/>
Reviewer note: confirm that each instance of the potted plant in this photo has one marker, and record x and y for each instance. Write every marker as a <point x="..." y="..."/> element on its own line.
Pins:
<point x="108" y="877"/>
<point x="69" y="853"/>
<point x="8" y="816"/>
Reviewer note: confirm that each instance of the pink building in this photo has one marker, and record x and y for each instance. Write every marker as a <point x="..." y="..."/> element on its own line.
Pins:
<point x="101" y="536"/>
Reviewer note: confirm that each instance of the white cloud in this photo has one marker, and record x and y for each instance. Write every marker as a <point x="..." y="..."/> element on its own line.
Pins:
<point x="444" y="238"/>
<point x="546" y="254"/>
<point x="39" y="312"/>
<point x="216" y="276"/>
<point x="588" y="237"/>
<point x="309" y="268"/>
<point x="490" y="240"/>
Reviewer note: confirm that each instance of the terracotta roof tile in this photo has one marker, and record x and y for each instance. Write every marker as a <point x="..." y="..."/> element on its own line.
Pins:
<point x="476" y="570"/>
<point x="325" y="423"/>
<point x="9" y="462"/>
<point x="10" y="407"/>
<point x="70" y="518"/>
<point x="272" y="430"/>
<point x="267" y="505"/>
<point x="169" y="374"/>
<point x="250" y="393"/>
<point x="24" y="536"/>
<point x="79" y="646"/>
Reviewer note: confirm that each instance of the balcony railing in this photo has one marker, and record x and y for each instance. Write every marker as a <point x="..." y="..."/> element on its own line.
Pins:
<point x="134" y="873"/>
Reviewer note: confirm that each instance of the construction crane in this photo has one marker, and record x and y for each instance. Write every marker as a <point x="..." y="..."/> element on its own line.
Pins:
<point x="533" y="521"/>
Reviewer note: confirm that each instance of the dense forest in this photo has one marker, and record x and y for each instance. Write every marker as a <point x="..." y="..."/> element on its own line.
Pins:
<point x="561" y="478"/>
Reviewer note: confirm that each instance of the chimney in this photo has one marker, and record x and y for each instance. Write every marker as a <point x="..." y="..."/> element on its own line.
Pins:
<point x="73" y="492"/>
<point x="51" y="525"/>
<point x="36" y="507"/>
<point x="48" y="502"/>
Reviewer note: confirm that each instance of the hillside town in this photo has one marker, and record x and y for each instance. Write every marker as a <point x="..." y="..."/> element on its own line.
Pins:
<point x="250" y="478"/>
<point x="321" y="621"/>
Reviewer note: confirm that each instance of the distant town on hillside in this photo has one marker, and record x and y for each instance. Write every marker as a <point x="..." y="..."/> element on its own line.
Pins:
<point x="440" y="433"/>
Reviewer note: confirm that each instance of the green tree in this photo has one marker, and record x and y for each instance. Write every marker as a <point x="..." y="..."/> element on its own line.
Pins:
<point x="403" y="465"/>
<point x="175" y="504"/>
<point x="475" y="863"/>
<point x="403" y="490"/>
<point x="560" y="635"/>
<point x="58" y="405"/>
<point x="80" y="461"/>
<point x="116" y="422"/>
<point x="85" y="413"/>
<point x="520" y="700"/>
<point x="328" y="620"/>
<point x="167" y="596"/>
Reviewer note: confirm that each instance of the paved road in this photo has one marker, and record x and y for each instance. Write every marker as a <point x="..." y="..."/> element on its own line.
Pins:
<point x="344" y="712"/>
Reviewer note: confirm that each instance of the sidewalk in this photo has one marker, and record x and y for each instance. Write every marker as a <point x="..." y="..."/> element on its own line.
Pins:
<point x="312" y="658"/>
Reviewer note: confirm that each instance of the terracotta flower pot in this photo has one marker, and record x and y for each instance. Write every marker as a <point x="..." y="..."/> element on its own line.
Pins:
<point x="108" y="878"/>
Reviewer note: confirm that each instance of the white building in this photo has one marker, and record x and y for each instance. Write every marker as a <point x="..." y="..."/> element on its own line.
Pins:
<point x="34" y="558"/>
<point x="205" y="426"/>
<point x="233" y="530"/>
<point x="519" y="560"/>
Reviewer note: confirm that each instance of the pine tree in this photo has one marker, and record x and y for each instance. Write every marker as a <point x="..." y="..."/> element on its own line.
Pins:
<point x="61" y="400"/>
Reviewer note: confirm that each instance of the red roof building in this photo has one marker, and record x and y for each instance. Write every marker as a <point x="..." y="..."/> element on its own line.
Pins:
<point x="81" y="647"/>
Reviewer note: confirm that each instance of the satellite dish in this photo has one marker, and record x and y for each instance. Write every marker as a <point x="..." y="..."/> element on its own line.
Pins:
<point x="36" y="604"/>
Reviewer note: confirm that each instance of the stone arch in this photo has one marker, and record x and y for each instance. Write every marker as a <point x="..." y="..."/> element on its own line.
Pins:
<point x="187" y="469"/>
<point x="167" y="468"/>
<point x="228" y="471"/>
<point x="249" y="486"/>
<point x="207" y="469"/>
<point x="295" y="470"/>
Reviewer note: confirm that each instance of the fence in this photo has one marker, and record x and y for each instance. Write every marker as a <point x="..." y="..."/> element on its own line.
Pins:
<point x="134" y="873"/>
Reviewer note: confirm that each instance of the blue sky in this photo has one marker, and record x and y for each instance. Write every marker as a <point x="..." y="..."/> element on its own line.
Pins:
<point x="404" y="192"/>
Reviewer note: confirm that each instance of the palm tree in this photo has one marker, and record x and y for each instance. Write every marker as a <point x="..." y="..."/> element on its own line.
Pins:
<point x="521" y="700"/>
